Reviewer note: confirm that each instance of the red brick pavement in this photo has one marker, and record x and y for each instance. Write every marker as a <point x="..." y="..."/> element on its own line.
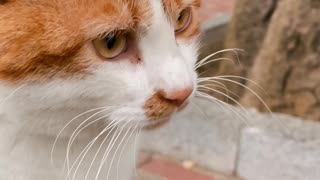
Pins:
<point x="153" y="167"/>
<point x="172" y="171"/>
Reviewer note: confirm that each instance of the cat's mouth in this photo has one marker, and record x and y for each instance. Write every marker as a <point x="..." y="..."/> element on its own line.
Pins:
<point x="159" y="111"/>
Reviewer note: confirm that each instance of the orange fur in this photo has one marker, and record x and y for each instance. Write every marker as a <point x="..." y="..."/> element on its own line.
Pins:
<point x="41" y="40"/>
<point x="157" y="108"/>
<point x="172" y="8"/>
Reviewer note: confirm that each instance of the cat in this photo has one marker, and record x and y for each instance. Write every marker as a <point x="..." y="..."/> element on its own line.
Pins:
<point x="79" y="79"/>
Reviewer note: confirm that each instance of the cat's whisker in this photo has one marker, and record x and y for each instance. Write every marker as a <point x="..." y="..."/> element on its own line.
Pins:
<point x="227" y="91"/>
<point x="110" y="163"/>
<point x="240" y="115"/>
<point x="255" y="94"/>
<point x="112" y="125"/>
<point x="117" y="149"/>
<point x="76" y="164"/>
<point x="233" y="100"/>
<point x="71" y="139"/>
<point x="243" y="78"/>
<point x="214" y="79"/>
<point x="122" y="149"/>
<point x="226" y="107"/>
<point x="217" y="84"/>
<point x="246" y="87"/>
<point x="211" y="61"/>
<point x="11" y="94"/>
<point x="219" y="102"/>
<point x="230" y="77"/>
<point x="77" y="131"/>
<point x="225" y="78"/>
<point x="199" y="81"/>
<point x="200" y="110"/>
<point x="109" y="148"/>
<point x="62" y="130"/>
<point x="203" y="72"/>
<point x="229" y="97"/>
<point x="214" y="83"/>
<point x="135" y="148"/>
<point x="99" y="148"/>
<point x="234" y="50"/>
<point x="251" y="91"/>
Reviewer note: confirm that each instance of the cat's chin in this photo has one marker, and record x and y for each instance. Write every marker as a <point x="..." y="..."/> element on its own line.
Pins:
<point x="156" y="124"/>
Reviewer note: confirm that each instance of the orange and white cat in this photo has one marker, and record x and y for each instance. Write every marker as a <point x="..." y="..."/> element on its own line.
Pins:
<point x="80" y="78"/>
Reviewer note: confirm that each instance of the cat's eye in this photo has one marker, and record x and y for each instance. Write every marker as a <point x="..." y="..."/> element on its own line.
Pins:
<point x="111" y="46"/>
<point x="184" y="20"/>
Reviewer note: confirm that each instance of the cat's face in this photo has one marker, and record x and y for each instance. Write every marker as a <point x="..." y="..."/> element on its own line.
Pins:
<point x="135" y="57"/>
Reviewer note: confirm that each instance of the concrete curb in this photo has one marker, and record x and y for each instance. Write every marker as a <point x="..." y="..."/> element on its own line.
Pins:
<point x="290" y="153"/>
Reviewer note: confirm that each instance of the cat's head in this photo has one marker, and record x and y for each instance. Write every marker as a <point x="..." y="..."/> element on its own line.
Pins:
<point x="134" y="57"/>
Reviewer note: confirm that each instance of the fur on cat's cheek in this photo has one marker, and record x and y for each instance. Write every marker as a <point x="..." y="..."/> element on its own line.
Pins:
<point x="3" y="1"/>
<point x="42" y="67"/>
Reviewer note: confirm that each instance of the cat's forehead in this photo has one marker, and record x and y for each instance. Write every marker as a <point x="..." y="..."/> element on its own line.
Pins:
<point x="104" y="15"/>
<point x="127" y="13"/>
<point x="108" y="13"/>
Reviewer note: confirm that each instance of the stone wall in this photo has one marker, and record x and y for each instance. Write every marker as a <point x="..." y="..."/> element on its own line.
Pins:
<point x="288" y="63"/>
<point x="281" y="40"/>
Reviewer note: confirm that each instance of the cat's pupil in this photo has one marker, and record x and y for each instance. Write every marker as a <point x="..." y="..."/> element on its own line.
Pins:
<point x="180" y="17"/>
<point x="110" y="42"/>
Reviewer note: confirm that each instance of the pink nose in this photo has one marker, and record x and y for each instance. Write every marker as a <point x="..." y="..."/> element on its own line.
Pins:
<point x="178" y="97"/>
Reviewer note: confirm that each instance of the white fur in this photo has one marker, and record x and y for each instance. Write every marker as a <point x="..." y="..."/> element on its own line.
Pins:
<point x="33" y="114"/>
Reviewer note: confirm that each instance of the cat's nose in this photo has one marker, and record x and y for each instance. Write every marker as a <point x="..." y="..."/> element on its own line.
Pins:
<point x="178" y="97"/>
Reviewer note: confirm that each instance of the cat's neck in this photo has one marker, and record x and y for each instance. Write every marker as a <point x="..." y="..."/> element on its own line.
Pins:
<point x="27" y="140"/>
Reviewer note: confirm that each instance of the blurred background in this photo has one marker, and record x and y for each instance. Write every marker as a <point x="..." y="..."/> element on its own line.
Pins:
<point x="265" y="57"/>
<point x="281" y="46"/>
